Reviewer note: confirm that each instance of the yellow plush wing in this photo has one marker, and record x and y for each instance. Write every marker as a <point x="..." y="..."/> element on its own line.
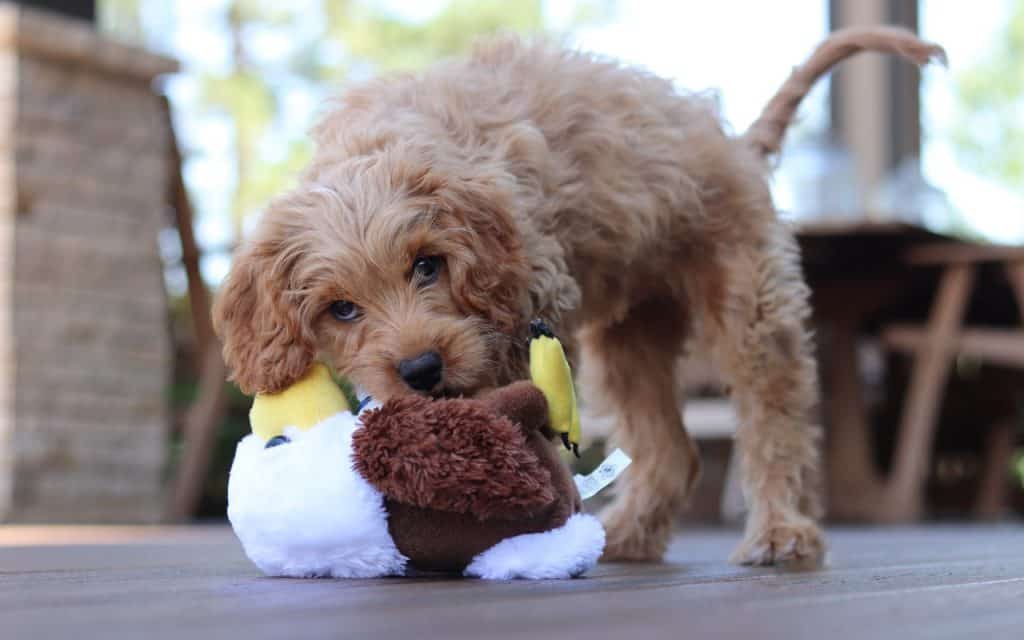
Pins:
<point x="550" y="371"/>
<point x="306" y="403"/>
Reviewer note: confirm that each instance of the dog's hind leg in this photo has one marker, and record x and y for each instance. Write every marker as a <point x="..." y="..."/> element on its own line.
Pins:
<point x="755" y="306"/>
<point x="628" y="370"/>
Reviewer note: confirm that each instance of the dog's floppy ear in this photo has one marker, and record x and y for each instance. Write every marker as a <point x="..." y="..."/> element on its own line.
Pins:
<point x="488" y="269"/>
<point x="266" y="344"/>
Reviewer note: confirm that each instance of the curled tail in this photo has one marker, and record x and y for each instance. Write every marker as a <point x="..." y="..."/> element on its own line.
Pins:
<point x="766" y="134"/>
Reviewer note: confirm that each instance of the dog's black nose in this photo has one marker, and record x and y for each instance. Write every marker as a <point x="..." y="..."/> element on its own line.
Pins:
<point x="423" y="372"/>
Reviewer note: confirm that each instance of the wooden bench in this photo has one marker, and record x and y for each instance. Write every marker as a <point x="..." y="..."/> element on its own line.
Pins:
<point x="934" y="347"/>
<point x="859" y="272"/>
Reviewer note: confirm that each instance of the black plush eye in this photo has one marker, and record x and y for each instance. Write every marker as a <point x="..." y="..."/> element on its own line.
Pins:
<point x="426" y="270"/>
<point x="344" y="310"/>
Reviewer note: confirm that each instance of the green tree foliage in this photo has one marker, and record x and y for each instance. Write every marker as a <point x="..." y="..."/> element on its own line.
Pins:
<point x="390" y="44"/>
<point x="121" y="17"/>
<point x="989" y="131"/>
<point x="355" y="38"/>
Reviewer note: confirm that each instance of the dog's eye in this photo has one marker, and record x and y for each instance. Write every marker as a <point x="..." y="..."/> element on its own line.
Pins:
<point x="426" y="270"/>
<point x="344" y="310"/>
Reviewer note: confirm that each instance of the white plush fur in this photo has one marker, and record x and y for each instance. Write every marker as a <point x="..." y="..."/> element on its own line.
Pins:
<point x="301" y="510"/>
<point x="565" y="552"/>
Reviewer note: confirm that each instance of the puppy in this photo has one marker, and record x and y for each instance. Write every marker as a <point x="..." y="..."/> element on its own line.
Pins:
<point x="442" y="211"/>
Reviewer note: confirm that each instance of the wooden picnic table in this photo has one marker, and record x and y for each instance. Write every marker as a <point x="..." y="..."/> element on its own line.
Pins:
<point x="906" y="583"/>
<point x="856" y="270"/>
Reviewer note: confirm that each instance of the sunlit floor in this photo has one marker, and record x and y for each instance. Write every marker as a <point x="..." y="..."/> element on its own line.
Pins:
<point x="917" y="582"/>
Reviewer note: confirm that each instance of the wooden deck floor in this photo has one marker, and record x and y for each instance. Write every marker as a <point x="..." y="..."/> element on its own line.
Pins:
<point x="934" y="582"/>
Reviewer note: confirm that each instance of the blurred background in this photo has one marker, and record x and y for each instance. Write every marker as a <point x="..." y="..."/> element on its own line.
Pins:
<point x="143" y="138"/>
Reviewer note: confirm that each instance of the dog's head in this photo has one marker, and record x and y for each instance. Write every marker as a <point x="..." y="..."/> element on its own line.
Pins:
<point x="407" y="276"/>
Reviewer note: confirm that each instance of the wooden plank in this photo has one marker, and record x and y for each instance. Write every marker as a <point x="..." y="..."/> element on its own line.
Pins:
<point x="198" y="295"/>
<point x="997" y="346"/>
<point x="906" y="583"/>
<point x="37" y="535"/>
<point x="961" y="252"/>
<point x="851" y="226"/>
<point x="854" y="489"/>
<point x="1015" y="274"/>
<point x="855" y="225"/>
<point x="927" y="381"/>
<point x="994" y="484"/>
<point x="841" y="307"/>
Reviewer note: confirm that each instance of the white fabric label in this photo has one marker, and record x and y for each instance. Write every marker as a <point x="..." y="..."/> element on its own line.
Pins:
<point x="592" y="484"/>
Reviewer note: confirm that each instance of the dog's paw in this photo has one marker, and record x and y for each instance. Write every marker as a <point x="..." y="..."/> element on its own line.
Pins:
<point x="628" y="539"/>
<point x="630" y="550"/>
<point x="796" y="543"/>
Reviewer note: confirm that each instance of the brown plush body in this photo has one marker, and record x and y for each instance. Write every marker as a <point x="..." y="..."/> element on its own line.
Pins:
<point x="461" y="475"/>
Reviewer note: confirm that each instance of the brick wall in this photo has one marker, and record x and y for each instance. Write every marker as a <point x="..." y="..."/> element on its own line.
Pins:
<point x="85" y="352"/>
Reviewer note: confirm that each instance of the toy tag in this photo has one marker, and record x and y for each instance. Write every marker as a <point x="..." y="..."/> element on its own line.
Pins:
<point x="592" y="484"/>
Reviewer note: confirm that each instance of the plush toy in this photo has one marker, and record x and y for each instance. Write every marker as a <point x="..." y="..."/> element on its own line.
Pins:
<point x="463" y="485"/>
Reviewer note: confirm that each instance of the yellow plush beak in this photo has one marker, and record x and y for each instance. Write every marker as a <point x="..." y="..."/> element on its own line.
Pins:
<point x="549" y="370"/>
<point x="306" y="403"/>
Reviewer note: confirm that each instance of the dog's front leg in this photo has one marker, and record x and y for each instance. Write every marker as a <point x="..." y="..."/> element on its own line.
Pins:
<point x="628" y="370"/>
